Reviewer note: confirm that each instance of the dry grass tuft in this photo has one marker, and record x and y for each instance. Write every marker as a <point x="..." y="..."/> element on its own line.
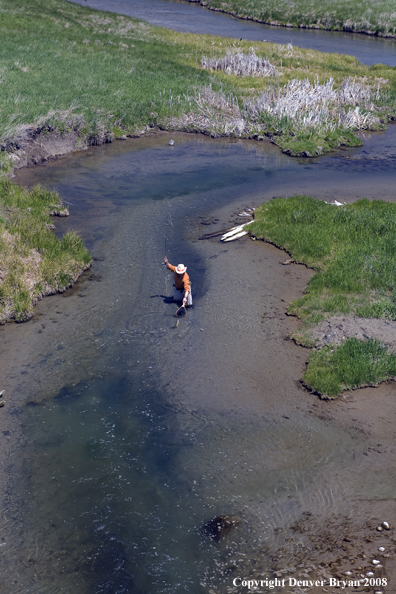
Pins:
<point x="240" y="64"/>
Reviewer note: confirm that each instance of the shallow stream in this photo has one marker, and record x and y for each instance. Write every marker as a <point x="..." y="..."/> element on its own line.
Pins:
<point x="126" y="434"/>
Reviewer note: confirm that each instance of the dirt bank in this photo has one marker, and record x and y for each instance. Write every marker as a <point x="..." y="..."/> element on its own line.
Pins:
<point x="337" y="329"/>
<point x="34" y="145"/>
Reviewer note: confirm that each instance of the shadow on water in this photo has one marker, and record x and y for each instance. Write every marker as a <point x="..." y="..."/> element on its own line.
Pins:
<point x="103" y="449"/>
<point x="137" y="433"/>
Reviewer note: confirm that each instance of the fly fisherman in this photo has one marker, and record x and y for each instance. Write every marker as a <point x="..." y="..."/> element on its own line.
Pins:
<point x="182" y="283"/>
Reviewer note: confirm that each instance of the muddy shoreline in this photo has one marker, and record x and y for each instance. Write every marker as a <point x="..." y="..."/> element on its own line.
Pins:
<point x="36" y="146"/>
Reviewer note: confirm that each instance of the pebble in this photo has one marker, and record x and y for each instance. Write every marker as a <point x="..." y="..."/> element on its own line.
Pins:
<point x="378" y="592"/>
<point x="348" y="573"/>
<point x="385" y="525"/>
<point x="375" y="562"/>
<point x="369" y="574"/>
<point x="1" y="403"/>
<point x="379" y="528"/>
<point x="381" y="549"/>
<point x="1" y="393"/>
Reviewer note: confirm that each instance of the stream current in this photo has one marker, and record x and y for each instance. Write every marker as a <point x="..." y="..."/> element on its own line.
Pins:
<point x="126" y="434"/>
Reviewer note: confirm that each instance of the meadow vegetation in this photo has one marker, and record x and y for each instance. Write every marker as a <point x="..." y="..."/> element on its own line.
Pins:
<point x="353" y="251"/>
<point x="33" y="261"/>
<point x="64" y="67"/>
<point x="377" y="17"/>
<point x="354" y="364"/>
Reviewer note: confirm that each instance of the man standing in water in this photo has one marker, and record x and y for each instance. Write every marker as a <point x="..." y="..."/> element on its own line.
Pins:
<point x="182" y="284"/>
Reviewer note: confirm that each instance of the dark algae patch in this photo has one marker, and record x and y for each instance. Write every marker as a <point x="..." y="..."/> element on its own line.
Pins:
<point x="352" y="247"/>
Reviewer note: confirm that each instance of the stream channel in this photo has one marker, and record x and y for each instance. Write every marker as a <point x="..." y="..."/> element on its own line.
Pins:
<point x="123" y="434"/>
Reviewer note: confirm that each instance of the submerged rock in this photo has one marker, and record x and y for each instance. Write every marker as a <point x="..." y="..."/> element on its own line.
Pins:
<point x="220" y="526"/>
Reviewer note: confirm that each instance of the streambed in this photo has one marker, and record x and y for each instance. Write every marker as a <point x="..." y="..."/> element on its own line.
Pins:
<point x="123" y="435"/>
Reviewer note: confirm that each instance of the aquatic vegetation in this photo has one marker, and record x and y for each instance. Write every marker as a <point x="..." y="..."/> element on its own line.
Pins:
<point x="33" y="261"/>
<point x="353" y="250"/>
<point x="377" y="17"/>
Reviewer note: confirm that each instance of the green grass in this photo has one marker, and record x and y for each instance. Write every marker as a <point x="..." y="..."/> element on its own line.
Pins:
<point x="377" y="17"/>
<point x="353" y="250"/>
<point x="317" y="143"/>
<point x="351" y="365"/>
<point x="33" y="261"/>
<point x="58" y="57"/>
<point x="68" y="67"/>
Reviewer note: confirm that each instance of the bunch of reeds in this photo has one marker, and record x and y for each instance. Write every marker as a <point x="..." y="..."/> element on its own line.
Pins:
<point x="352" y="92"/>
<point x="214" y="112"/>
<point x="207" y="100"/>
<point x="240" y="64"/>
<point x="356" y="119"/>
<point x="316" y="105"/>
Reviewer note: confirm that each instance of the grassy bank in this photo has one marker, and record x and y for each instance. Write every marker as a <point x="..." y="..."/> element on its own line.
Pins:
<point x="66" y="68"/>
<point x="354" y="364"/>
<point x="353" y="250"/>
<point x="33" y="262"/>
<point x="375" y="18"/>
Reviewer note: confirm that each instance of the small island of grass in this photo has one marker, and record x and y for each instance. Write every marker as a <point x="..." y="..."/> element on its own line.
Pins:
<point x="352" y="248"/>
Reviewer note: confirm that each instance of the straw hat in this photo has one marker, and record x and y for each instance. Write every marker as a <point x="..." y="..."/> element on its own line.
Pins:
<point x="181" y="269"/>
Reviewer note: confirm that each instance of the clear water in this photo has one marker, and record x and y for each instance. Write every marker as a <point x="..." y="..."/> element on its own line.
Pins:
<point x="193" y="18"/>
<point x="127" y="433"/>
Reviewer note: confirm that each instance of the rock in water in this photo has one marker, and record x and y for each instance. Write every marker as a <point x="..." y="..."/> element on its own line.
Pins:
<point x="219" y="527"/>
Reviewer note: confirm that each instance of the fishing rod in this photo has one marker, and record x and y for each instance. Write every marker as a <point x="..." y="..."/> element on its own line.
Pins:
<point x="181" y="312"/>
<point x="168" y="219"/>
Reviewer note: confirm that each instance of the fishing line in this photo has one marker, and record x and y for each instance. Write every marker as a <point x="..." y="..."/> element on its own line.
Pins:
<point x="168" y="220"/>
